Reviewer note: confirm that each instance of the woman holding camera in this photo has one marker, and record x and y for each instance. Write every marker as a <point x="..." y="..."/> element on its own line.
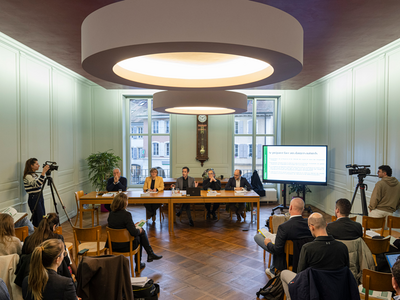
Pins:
<point x="33" y="184"/>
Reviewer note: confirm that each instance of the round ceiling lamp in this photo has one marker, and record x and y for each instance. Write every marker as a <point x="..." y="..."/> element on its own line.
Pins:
<point x="191" y="44"/>
<point x="200" y="102"/>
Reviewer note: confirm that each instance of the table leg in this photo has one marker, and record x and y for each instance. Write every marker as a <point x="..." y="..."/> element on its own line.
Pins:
<point x="172" y="217"/>
<point x="80" y="214"/>
<point x="258" y="214"/>
<point x="251" y="211"/>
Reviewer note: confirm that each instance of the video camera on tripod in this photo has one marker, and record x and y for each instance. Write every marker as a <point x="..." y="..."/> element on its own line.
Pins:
<point x="52" y="166"/>
<point x="361" y="171"/>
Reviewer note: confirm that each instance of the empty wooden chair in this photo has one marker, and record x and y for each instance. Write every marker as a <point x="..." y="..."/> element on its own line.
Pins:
<point x="393" y="222"/>
<point x="22" y="233"/>
<point x="377" y="246"/>
<point x="123" y="236"/>
<point x="376" y="281"/>
<point x="68" y="245"/>
<point x="88" y="238"/>
<point x="92" y="210"/>
<point x="373" y="223"/>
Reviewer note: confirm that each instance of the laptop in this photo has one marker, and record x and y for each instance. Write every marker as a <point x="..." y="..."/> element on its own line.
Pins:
<point x="193" y="191"/>
<point x="391" y="258"/>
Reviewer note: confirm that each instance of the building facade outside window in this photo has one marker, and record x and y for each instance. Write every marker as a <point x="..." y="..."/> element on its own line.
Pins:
<point x="148" y="141"/>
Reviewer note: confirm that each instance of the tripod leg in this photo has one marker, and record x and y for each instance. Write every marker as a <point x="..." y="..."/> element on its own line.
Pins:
<point x="52" y="195"/>
<point x="354" y="195"/>
<point x="363" y="200"/>
<point x="62" y="204"/>
<point x="33" y="211"/>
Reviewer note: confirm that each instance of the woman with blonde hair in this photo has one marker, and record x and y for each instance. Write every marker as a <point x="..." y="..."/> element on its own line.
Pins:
<point x="153" y="183"/>
<point x="43" y="282"/>
<point x="9" y="243"/>
<point x="120" y="218"/>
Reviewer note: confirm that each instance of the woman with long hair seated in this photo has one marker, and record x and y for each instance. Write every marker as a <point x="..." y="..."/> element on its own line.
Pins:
<point x="9" y="243"/>
<point x="120" y="218"/>
<point x="45" y="231"/>
<point x="43" y="282"/>
<point x="153" y="183"/>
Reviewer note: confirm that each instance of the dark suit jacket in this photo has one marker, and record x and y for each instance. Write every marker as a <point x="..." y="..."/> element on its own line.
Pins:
<point x="179" y="182"/>
<point x="293" y="229"/>
<point x="57" y="288"/>
<point x="344" y="229"/>
<point x="122" y="219"/>
<point x="121" y="185"/>
<point x="212" y="185"/>
<point x="232" y="184"/>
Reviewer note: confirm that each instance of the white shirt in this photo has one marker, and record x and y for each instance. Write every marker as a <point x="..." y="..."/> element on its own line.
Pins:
<point x="238" y="183"/>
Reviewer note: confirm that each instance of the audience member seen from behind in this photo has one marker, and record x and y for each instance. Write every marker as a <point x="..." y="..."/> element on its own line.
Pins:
<point x="344" y="228"/>
<point x="9" y="243"/>
<point x="120" y="218"/>
<point x="153" y="183"/>
<point x="43" y="282"/>
<point x="116" y="183"/>
<point x="237" y="183"/>
<point x="214" y="184"/>
<point x="33" y="184"/>
<point x="396" y="278"/>
<point x="44" y="232"/>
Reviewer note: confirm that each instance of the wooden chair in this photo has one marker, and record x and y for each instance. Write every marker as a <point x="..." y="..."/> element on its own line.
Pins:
<point x="68" y="245"/>
<point x="123" y="236"/>
<point x="393" y="222"/>
<point x="88" y="238"/>
<point x="94" y="208"/>
<point x="22" y="233"/>
<point x="288" y="252"/>
<point x="377" y="246"/>
<point x="351" y="218"/>
<point x="370" y="222"/>
<point x="376" y="281"/>
<point x="271" y="229"/>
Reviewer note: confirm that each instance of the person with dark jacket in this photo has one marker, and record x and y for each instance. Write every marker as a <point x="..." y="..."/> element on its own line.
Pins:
<point x="344" y="228"/>
<point x="116" y="183"/>
<point x="214" y="184"/>
<point x="120" y="218"/>
<point x="237" y="183"/>
<point x="43" y="282"/>
<point x="324" y="253"/>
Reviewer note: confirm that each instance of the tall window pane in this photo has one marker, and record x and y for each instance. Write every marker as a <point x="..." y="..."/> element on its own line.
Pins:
<point x="243" y="161"/>
<point x="138" y="116"/>
<point x="161" y="160"/>
<point x="138" y="159"/>
<point x="160" y="122"/>
<point x="265" y="116"/>
<point x="244" y="120"/>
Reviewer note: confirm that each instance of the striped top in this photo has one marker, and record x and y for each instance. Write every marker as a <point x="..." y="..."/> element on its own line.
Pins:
<point x="33" y="183"/>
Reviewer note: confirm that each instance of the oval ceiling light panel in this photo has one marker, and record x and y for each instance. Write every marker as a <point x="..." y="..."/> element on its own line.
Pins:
<point x="188" y="44"/>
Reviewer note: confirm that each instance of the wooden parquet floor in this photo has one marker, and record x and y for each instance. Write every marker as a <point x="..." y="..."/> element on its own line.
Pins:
<point x="212" y="260"/>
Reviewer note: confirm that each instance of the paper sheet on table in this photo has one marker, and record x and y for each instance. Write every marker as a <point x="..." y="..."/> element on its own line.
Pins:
<point x="108" y="195"/>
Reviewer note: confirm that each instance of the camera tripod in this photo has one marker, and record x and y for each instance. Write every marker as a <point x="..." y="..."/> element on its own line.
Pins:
<point x="362" y="187"/>
<point x="53" y="188"/>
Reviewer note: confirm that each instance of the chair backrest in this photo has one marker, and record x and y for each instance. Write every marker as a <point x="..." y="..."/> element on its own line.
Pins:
<point x="78" y="195"/>
<point x="376" y="281"/>
<point x="58" y="230"/>
<point x="288" y="251"/>
<point x="119" y="236"/>
<point x="370" y="222"/>
<point x="377" y="246"/>
<point x="87" y="235"/>
<point x="393" y="222"/>
<point x="334" y="218"/>
<point x="22" y="233"/>
<point x="271" y="227"/>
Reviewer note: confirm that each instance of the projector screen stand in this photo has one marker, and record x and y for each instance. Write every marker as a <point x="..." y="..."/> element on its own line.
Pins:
<point x="282" y="206"/>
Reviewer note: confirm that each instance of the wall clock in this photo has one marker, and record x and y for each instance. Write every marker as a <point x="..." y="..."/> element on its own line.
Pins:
<point x="202" y="139"/>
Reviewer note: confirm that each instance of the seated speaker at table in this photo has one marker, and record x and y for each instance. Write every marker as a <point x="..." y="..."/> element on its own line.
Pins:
<point x="183" y="183"/>
<point x="153" y="183"/>
<point x="237" y="182"/>
<point x="116" y="183"/>
<point x="211" y="183"/>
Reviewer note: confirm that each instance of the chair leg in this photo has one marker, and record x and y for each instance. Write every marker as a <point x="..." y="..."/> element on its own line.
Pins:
<point x="97" y="211"/>
<point x="230" y="215"/>
<point x="218" y="213"/>
<point x="92" y="218"/>
<point x="138" y="261"/>
<point x="132" y="263"/>
<point x="77" y="217"/>
<point x="264" y="255"/>
<point x="269" y="259"/>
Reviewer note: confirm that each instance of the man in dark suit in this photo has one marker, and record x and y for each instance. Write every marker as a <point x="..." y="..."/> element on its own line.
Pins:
<point x="344" y="228"/>
<point x="116" y="183"/>
<point x="214" y="184"/>
<point x="237" y="182"/>
<point x="183" y="183"/>
<point x="294" y="229"/>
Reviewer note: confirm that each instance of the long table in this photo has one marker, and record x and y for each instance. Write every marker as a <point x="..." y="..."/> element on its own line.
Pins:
<point x="134" y="197"/>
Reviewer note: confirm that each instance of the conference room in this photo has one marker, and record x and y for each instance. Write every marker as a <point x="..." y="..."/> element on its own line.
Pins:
<point x="60" y="103"/>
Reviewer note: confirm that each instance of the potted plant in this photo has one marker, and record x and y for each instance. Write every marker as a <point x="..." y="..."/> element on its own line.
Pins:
<point x="298" y="188"/>
<point x="101" y="166"/>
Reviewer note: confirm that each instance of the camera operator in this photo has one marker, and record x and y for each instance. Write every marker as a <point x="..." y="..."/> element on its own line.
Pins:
<point x="385" y="198"/>
<point x="33" y="184"/>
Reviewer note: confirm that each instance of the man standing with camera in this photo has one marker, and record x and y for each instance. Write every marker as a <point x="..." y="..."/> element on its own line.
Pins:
<point x="385" y="198"/>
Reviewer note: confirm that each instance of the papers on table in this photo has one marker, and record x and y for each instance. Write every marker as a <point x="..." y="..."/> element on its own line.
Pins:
<point x="139" y="281"/>
<point x="264" y="231"/>
<point x="239" y="193"/>
<point x="145" y="195"/>
<point x="108" y="195"/>
<point x="212" y="193"/>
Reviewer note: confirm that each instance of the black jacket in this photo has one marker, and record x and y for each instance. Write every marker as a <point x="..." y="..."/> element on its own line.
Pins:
<point x="122" y="219"/>
<point x="314" y="284"/>
<point x="57" y="288"/>
<point x="232" y="184"/>
<point x="344" y="229"/>
<point x="121" y="185"/>
<point x="295" y="228"/>
<point x="212" y="185"/>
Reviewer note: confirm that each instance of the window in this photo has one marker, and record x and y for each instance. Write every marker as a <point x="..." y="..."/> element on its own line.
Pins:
<point x="262" y="111"/>
<point x="148" y="141"/>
